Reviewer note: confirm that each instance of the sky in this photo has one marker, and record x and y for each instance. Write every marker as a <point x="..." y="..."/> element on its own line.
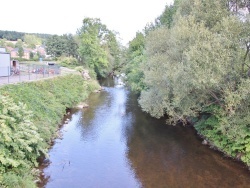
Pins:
<point x="65" y="16"/>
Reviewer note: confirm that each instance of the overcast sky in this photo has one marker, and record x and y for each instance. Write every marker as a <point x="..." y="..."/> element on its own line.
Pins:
<point x="65" y="16"/>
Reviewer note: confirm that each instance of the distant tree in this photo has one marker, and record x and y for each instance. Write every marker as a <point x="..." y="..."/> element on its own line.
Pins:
<point x="20" y="52"/>
<point x="10" y="44"/>
<point x="70" y="45"/>
<point x="19" y="43"/>
<point x="32" y="40"/>
<point x="64" y="45"/>
<point x="11" y="35"/>
<point x="55" y="46"/>
<point x="14" y="35"/>
<point x="31" y="55"/>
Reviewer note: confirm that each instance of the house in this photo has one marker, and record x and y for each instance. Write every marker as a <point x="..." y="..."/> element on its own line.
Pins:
<point x="41" y="50"/>
<point x="14" y="53"/>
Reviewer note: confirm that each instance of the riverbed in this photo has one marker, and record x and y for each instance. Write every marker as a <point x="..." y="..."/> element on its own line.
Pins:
<point x="113" y="144"/>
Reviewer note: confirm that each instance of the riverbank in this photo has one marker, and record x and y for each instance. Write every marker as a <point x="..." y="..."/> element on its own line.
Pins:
<point x="114" y="144"/>
<point x="30" y="114"/>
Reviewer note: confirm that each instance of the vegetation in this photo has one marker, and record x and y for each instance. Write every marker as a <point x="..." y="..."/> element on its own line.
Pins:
<point x="29" y="117"/>
<point x="98" y="47"/>
<point x="32" y="40"/>
<point x="94" y="47"/>
<point x="192" y="65"/>
<point x="64" y="45"/>
<point x="135" y="58"/>
<point x="14" y="35"/>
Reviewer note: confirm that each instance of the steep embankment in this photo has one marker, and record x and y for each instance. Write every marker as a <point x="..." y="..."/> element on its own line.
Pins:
<point x="29" y="117"/>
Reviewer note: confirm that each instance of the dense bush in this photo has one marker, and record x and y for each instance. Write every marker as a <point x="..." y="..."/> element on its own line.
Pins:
<point x="198" y="68"/>
<point x="29" y="117"/>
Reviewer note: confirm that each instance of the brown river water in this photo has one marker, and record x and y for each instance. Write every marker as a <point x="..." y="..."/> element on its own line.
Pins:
<point x="113" y="144"/>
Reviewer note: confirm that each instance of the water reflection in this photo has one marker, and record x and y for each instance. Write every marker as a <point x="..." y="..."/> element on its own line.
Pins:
<point x="113" y="144"/>
<point x="168" y="156"/>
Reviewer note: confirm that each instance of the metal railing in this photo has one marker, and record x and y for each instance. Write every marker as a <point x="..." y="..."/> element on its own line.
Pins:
<point x="26" y="72"/>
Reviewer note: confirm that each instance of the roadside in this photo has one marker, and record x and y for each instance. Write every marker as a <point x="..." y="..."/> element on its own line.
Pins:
<point x="31" y="72"/>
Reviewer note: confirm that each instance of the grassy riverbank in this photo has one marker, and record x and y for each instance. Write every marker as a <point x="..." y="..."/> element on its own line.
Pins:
<point x="29" y="116"/>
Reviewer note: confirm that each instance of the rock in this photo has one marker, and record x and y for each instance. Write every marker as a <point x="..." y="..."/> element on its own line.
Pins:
<point x="85" y="74"/>
<point x="97" y="91"/>
<point x="205" y="142"/>
<point x="239" y="155"/>
<point x="82" y="105"/>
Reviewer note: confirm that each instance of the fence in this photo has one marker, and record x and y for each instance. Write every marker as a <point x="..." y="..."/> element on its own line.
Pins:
<point x="26" y="72"/>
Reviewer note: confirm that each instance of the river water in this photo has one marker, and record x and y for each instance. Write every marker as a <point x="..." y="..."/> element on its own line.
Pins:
<point x="113" y="144"/>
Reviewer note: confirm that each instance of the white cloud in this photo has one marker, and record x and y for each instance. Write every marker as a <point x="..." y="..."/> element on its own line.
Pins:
<point x="59" y="17"/>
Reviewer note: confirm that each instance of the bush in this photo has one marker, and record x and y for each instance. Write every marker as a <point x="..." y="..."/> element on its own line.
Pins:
<point x="68" y="62"/>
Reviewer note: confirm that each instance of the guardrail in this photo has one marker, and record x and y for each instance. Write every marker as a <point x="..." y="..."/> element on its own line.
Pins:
<point x="26" y="72"/>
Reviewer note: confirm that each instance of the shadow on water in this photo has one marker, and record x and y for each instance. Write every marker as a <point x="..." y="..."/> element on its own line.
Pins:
<point x="114" y="144"/>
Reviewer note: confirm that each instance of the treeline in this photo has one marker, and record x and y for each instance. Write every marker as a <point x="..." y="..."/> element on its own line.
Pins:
<point x="192" y="66"/>
<point x="14" y="35"/>
<point x="94" y="47"/>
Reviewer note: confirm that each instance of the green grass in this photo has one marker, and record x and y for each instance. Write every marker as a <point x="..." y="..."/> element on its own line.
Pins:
<point x="29" y="117"/>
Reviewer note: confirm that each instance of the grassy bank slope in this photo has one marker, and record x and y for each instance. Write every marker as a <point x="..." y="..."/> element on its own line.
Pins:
<point x="29" y="117"/>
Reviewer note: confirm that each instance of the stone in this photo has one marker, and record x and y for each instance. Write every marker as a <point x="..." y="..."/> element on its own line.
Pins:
<point x="82" y="105"/>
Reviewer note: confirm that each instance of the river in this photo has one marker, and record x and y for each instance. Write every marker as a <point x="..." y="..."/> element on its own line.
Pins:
<point x="113" y="144"/>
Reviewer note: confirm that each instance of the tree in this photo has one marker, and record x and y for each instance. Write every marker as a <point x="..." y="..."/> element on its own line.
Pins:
<point x="64" y="45"/>
<point x="32" y="40"/>
<point x="19" y="43"/>
<point x="20" y="52"/>
<point x="135" y="59"/>
<point x="97" y="46"/>
<point x="193" y="73"/>
<point x="31" y="55"/>
<point x="55" y="46"/>
<point x="167" y="17"/>
<point x="70" y="45"/>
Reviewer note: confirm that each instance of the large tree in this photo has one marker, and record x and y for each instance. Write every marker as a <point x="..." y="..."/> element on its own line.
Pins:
<point x="135" y="59"/>
<point x="98" y="47"/>
<point x="193" y="72"/>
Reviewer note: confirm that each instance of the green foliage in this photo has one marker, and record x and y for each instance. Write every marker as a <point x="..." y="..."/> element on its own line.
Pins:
<point x="68" y="62"/>
<point x="10" y="44"/>
<point x="19" y="43"/>
<point x="93" y="54"/>
<point x="29" y="117"/>
<point x="167" y="17"/>
<point x="20" y="141"/>
<point x="196" y="68"/>
<point x="135" y="60"/>
<point x="20" y="52"/>
<point x="32" y="40"/>
<point x="55" y="46"/>
<point x="14" y="35"/>
<point x="64" y="45"/>
<point x="13" y="180"/>
<point x="98" y="47"/>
